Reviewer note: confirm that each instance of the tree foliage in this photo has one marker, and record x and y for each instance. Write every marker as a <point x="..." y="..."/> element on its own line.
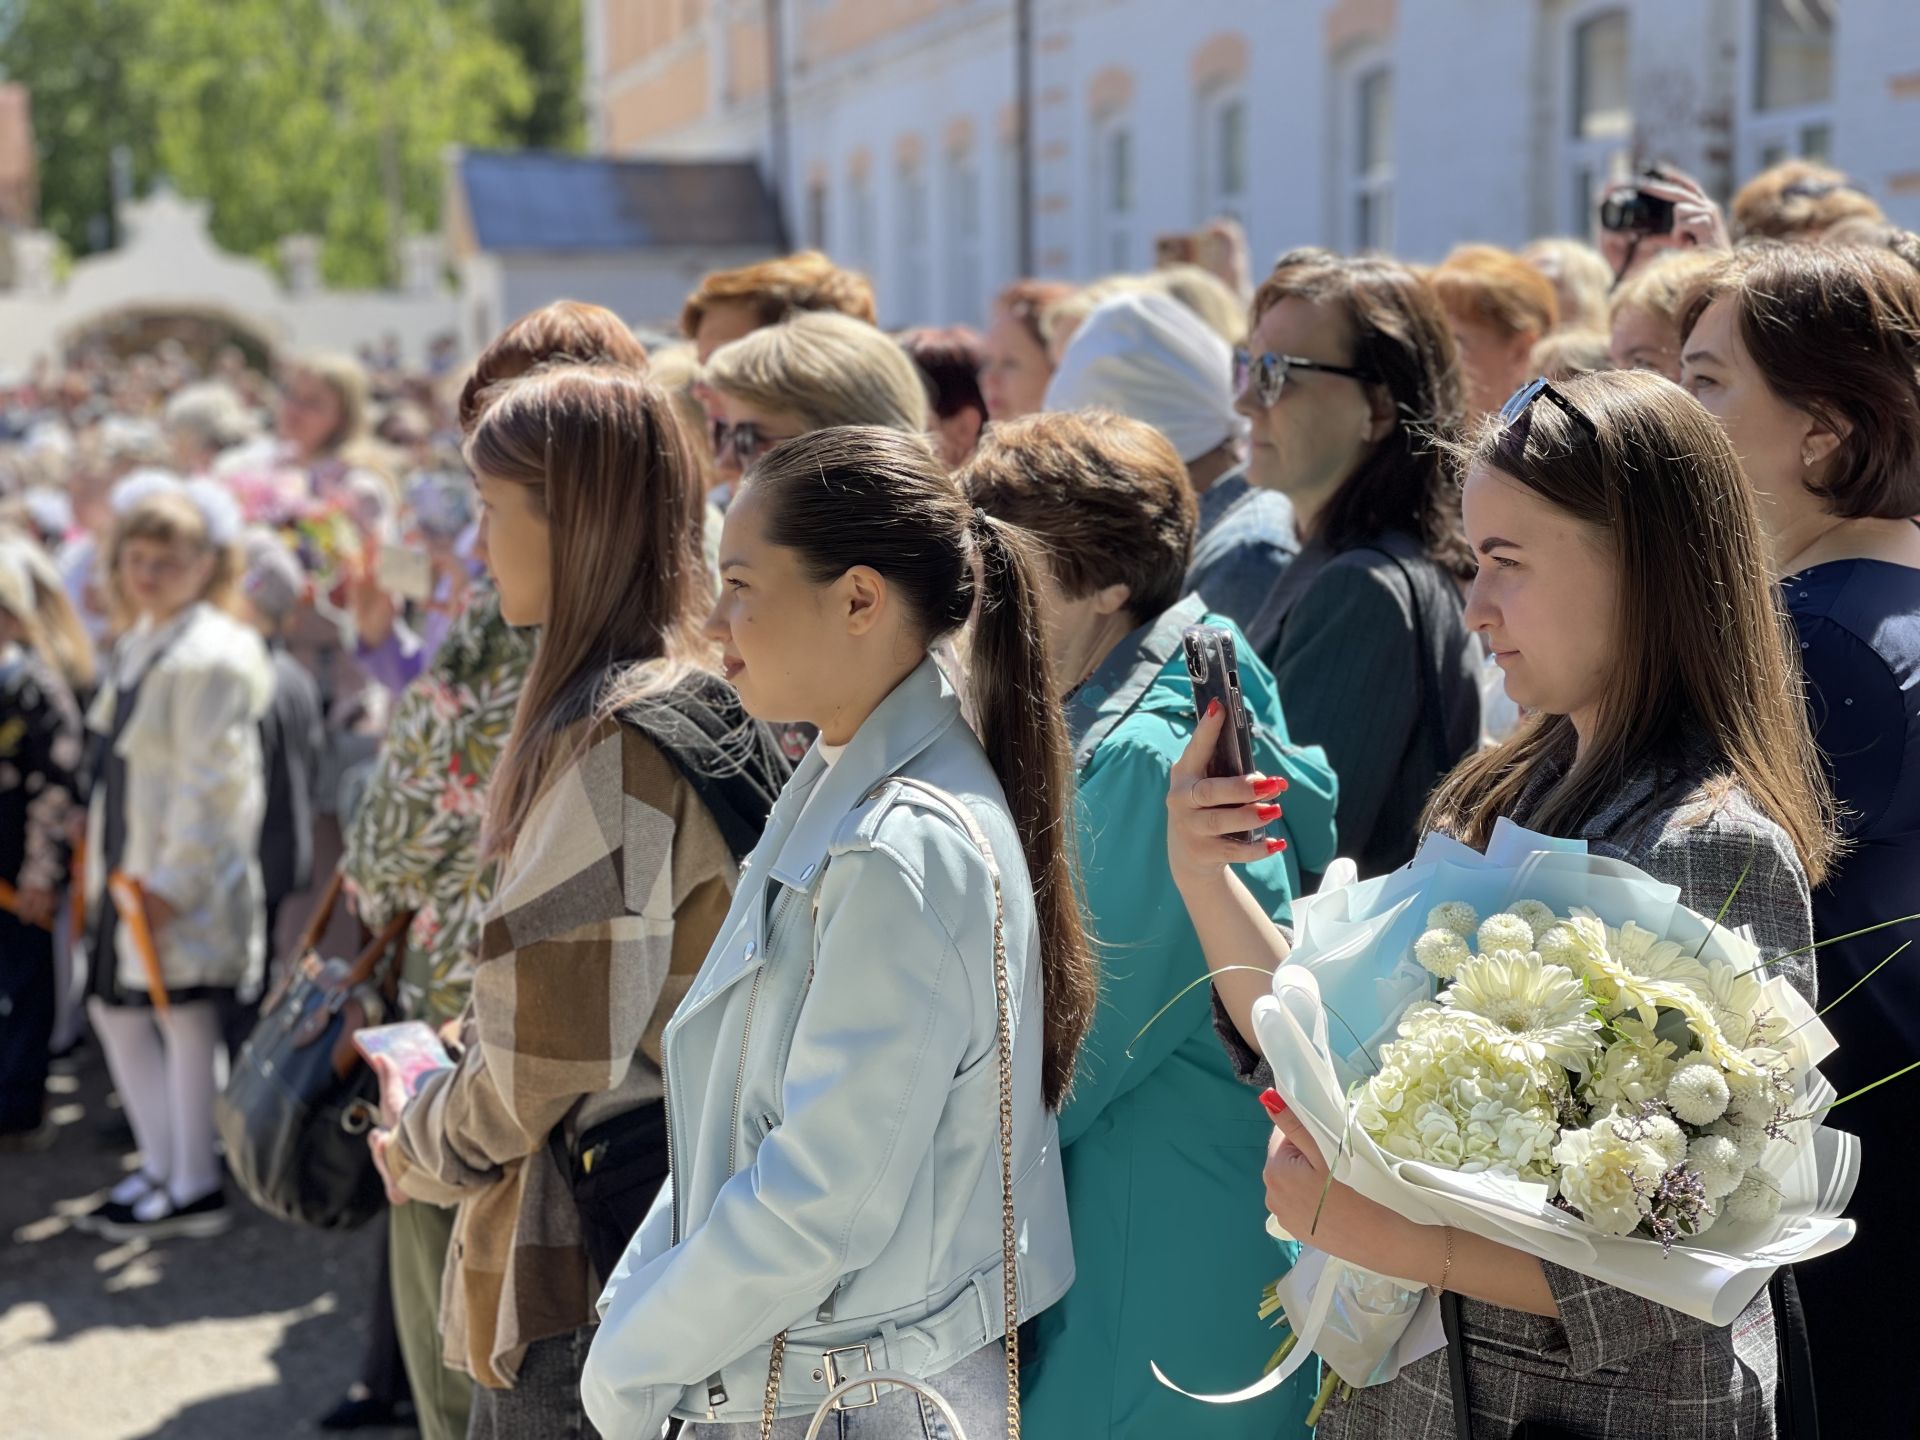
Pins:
<point x="326" y="117"/>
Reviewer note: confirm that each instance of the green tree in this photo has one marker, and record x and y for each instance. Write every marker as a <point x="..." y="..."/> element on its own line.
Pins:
<point x="76" y="56"/>
<point x="547" y="35"/>
<point x="330" y="117"/>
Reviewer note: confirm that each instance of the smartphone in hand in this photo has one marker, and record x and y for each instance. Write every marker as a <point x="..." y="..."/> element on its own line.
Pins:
<point x="1214" y="667"/>
<point x="410" y="1046"/>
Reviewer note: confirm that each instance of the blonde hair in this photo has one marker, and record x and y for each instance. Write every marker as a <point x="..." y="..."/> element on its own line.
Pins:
<point x="1797" y="200"/>
<point x="1567" y="353"/>
<point x="1662" y="287"/>
<point x="50" y="625"/>
<point x="825" y="368"/>
<point x="170" y="518"/>
<point x="674" y="369"/>
<point x="346" y="377"/>
<point x="1580" y="277"/>
<point x="1208" y="296"/>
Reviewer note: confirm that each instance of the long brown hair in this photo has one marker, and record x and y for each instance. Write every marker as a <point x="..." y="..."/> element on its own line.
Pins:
<point x="1702" y="640"/>
<point x="1401" y="339"/>
<point x="601" y="447"/>
<point x="866" y="495"/>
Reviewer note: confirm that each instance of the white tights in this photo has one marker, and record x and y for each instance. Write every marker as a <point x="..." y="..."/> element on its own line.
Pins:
<point x="163" y="1067"/>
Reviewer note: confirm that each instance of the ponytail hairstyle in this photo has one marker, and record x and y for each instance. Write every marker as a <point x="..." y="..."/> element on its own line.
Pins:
<point x="867" y="495"/>
<point x="601" y="447"/>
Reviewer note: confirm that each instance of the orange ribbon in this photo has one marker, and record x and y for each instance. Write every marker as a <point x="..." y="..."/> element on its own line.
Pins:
<point x="131" y="902"/>
<point x="10" y="902"/>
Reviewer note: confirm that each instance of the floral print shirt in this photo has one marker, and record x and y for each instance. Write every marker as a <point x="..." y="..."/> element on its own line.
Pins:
<point x="415" y="844"/>
<point x="40" y="750"/>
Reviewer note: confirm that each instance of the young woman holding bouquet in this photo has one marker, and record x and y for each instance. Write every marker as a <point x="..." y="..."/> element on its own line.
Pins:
<point x="844" y="1088"/>
<point x="629" y="783"/>
<point x="1622" y="587"/>
<point x="1810" y="359"/>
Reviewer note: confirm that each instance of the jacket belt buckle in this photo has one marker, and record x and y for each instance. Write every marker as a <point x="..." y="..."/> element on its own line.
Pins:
<point x="835" y="1377"/>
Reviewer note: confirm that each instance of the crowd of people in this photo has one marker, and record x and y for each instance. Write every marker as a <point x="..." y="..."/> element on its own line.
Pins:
<point x="777" y="743"/>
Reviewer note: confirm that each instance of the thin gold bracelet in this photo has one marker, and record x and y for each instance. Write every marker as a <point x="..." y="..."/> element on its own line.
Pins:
<point x="1446" y="1270"/>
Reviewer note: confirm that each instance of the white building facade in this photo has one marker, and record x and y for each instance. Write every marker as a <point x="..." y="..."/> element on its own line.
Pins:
<point x="1407" y="127"/>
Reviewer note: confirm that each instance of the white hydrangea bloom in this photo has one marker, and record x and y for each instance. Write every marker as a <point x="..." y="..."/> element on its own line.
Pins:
<point x="1698" y="1093"/>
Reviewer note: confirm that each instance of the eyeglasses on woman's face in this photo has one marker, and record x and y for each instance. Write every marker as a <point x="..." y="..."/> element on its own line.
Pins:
<point x="1265" y="376"/>
<point x="745" y="441"/>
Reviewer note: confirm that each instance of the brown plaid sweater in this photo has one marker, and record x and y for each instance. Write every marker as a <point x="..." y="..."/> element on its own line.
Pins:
<point x="603" y="914"/>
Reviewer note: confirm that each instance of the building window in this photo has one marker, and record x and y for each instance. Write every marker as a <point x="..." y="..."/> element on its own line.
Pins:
<point x="1222" y="167"/>
<point x="1791" y="95"/>
<point x="1011" y="217"/>
<point x="817" y="215"/>
<point x="1372" y="168"/>
<point x="1600" y="129"/>
<point x="963" y="238"/>
<point x="1113" y="192"/>
<point x="860" y="214"/>
<point x="910" y="261"/>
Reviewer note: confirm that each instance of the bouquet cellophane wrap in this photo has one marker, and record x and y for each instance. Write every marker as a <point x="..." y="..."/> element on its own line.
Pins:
<point x="1339" y="998"/>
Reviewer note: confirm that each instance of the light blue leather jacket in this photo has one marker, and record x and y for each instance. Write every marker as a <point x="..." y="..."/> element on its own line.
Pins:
<point x="833" y="1100"/>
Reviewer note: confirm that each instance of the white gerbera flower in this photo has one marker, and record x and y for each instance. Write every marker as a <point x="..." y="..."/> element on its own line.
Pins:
<point x="1717" y="1159"/>
<point x="1756" y="1199"/>
<point x="1442" y="952"/>
<point x="1698" y="1093"/>
<point x="1735" y="998"/>
<point x="1607" y="1179"/>
<point x="1539" y="917"/>
<point x="1535" y="1012"/>
<point x="1455" y="915"/>
<point x="1504" y="931"/>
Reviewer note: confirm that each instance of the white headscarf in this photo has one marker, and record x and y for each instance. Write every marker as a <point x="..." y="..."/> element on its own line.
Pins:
<point x="1150" y="358"/>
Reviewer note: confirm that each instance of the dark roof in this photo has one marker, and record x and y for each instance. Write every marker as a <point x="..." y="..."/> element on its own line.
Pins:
<point x="538" y="200"/>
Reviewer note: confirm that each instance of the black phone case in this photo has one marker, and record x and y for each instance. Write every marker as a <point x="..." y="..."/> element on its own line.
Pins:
<point x="1214" y="668"/>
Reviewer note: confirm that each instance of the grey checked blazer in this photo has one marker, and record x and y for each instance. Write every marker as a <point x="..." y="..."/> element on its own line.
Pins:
<point x="1613" y="1364"/>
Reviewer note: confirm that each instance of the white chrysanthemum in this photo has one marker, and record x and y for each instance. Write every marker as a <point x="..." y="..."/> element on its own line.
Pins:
<point x="1607" y="1179"/>
<point x="1698" y="1093"/>
<point x="1632" y="1070"/>
<point x="1756" y="1199"/>
<point x="1455" y="915"/>
<point x="1717" y="1159"/>
<point x="1537" y="1013"/>
<point x="1505" y="931"/>
<point x="1751" y="1139"/>
<point x="1659" y="1131"/>
<point x="1539" y="917"/>
<point x="1442" y="952"/>
<point x="1754" y="1098"/>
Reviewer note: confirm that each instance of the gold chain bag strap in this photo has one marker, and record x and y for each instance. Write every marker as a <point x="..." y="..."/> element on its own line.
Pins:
<point x="1009" y="1235"/>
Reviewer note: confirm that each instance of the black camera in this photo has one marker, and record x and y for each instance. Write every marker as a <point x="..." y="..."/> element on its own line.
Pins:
<point x="1629" y="209"/>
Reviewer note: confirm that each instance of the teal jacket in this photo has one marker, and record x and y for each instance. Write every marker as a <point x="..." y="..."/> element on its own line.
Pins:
<point x="1163" y="1148"/>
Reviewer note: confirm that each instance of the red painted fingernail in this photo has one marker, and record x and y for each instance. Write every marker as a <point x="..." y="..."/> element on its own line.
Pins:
<point x="1268" y="787"/>
<point x="1273" y="1104"/>
<point x="1267" y="812"/>
<point x="1274" y="847"/>
<point x="1213" y="708"/>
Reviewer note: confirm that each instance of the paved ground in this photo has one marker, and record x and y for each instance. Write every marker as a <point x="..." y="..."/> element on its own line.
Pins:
<point x="246" y="1337"/>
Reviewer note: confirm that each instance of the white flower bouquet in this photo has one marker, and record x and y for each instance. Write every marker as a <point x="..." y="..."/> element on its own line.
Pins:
<point x="1546" y="1048"/>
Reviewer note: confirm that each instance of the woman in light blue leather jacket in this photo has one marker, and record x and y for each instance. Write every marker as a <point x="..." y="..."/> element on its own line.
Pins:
<point x="836" y="1115"/>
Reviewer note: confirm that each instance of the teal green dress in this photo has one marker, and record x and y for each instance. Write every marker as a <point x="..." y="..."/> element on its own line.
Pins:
<point x="1161" y="1146"/>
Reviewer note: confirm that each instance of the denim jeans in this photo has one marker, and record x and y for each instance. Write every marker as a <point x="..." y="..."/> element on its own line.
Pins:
<point x="544" y="1403"/>
<point x="976" y="1388"/>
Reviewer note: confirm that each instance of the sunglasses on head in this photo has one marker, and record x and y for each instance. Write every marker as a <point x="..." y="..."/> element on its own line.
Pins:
<point x="1522" y="400"/>
<point x="744" y="440"/>
<point x="1266" y="375"/>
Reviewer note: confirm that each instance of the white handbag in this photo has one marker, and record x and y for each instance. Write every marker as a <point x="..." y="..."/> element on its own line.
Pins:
<point x="1009" y="1242"/>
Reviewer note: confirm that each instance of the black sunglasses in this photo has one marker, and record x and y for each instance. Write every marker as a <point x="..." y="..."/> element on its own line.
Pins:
<point x="744" y="440"/>
<point x="1522" y="400"/>
<point x="1267" y="374"/>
